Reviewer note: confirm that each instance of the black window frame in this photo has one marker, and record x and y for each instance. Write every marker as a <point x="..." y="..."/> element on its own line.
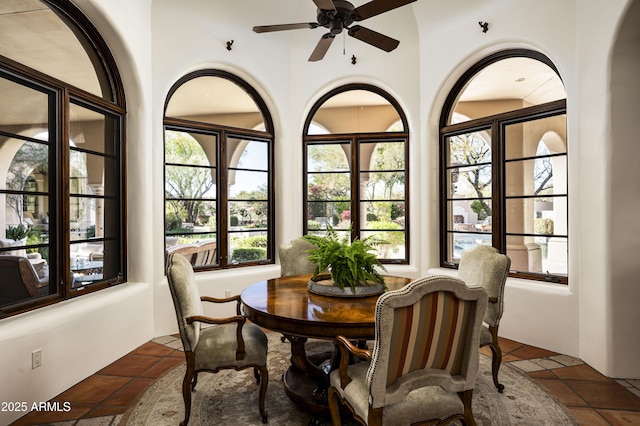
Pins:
<point x="355" y="140"/>
<point x="496" y="124"/>
<point x="62" y="95"/>
<point x="223" y="133"/>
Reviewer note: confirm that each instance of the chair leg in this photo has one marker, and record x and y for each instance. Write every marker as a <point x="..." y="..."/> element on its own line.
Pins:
<point x="186" y="392"/>
<point x="264" y="381"/>
<point x="496" y="359"/>
<point x="467" y="397"/>
<point x="194" y="382"/>
<point x="334" y="401"/>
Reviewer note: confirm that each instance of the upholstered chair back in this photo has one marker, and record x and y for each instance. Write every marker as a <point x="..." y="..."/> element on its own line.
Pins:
<point x="427" y="334"/>
<point x="19" y="280"/>
<point x="293" y="258"/>
<point x="206" y="255"/>
<point x="484" y="266"/>
<point x="186" y="298"/>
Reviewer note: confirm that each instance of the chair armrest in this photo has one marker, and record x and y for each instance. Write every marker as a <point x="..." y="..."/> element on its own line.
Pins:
<point x="346" y="349"/>
<point x="238" y="318"/>
<point x="235" y="298"/>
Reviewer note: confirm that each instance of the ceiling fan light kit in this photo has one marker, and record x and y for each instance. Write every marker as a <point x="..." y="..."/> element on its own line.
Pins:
<point x="338" y="15"/>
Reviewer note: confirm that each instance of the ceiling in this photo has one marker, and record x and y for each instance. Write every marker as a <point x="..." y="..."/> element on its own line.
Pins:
<point x="33" y="35"/>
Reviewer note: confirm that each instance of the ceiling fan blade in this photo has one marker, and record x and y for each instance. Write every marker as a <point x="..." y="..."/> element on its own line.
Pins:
<point x="325" y="4"/>
<point x="376" y="7"/>
<point x="322" y="47"/>
<point x="373" y="38"/>
<point x="284" y="27"/>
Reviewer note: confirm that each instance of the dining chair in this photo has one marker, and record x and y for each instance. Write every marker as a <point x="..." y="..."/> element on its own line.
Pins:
<point x="20" y="281"/>
<point x="484" y="266"/>
<point x="229" y="343"/>
<point x="293" y="258"/>
<point x="424" y="362"/>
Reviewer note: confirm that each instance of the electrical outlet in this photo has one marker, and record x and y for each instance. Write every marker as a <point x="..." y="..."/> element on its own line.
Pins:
<point x="227" y="293"/>
<point x="36" y="358"/>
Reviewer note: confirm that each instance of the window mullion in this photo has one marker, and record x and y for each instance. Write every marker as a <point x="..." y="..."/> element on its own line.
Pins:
<point x="355" y="188"/>
<point x="222" y="171"/>
<point x="497" y="186"/>
<point x="62" y="197"/>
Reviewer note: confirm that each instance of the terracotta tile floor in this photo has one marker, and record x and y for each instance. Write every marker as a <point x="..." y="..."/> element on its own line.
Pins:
<point x="102" y="398"/>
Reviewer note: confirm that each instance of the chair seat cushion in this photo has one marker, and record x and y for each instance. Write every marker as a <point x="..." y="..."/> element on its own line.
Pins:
<point x="217" y="347"/>
<point x="430" y="402"/>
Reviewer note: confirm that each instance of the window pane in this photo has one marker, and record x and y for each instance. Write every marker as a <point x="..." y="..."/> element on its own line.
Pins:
<point x="215" y="100"/>
<point x="22" y="106"/>
<point x="328" y="158"/>
<point x="175" y="217"/>
<point x="538" y="216"/>
<point x="91" y="131"/>
<point x="87" y="262"/>
<point x="543" y="255"/>
<point x="469" y="149"/>
<point x="458" y="242"/>
<point x="470" y="215"/>
<point x="536" y="176"/>
<point x="248" y="247"/>
<point x="382" y="215"/>
<point x="393" y="246"/>
<point x="507" y="85"/>
<point x="382" y="156"/>
<point x="36" y="36"/>
<point x="248" y="185"/>
<point x="248" y="215"/>
<point x="247" y="154"/>
<point x="382" y="185"/>
<point x="334" y="213"/>
<point x="470" y="182"/>
<point x="523" y="140"/>
<point x="357" y="111"/>
<point x="190" y="148"/>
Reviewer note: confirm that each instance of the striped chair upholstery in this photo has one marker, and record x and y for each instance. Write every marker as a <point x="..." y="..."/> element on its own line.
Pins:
<point x="424" y="361"/>
<point x="436" y="343"/>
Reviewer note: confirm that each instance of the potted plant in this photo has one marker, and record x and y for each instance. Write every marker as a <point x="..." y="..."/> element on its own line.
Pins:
<point x="350" y="264"/>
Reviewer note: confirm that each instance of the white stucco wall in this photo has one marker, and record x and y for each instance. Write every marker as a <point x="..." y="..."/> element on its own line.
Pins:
<point x="157" y="42"/>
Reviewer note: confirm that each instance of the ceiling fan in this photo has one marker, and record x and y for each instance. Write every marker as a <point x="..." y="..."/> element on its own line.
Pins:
<point x="338" y="15"/>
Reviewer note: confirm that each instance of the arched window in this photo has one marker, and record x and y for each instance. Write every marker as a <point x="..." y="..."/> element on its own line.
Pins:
<point x="503" y="163"/>
<point x="218" y="172"/>
<point x="356" y="161"/>
<point x="61" y="166"/>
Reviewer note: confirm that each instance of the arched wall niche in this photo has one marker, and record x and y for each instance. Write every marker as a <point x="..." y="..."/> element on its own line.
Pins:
<point x="624" y="198"/>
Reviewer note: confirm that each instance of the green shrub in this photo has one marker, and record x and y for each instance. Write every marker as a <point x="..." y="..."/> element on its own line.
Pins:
<point x="20" y="232"/>
<point x="371" y="217"/>
<point x="249" y="254"/>
<point x="233" y="220"/>
<point x="173" y="221"/>
<point x="312" y="224"/>
<point x="251" y="242"/>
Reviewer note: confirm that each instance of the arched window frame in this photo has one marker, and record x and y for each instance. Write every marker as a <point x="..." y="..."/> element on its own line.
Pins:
<point x="354" y="140"/>
<point x="62" y="97"/>
<point x="223" y="133"/>
<point x="496" y="125"/>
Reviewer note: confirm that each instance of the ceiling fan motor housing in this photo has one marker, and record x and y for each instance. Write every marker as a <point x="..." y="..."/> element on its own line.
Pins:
<point x="339" y="19"/>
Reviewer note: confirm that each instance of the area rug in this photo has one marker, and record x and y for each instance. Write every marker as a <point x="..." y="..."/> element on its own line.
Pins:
<point x="231" y="398"/>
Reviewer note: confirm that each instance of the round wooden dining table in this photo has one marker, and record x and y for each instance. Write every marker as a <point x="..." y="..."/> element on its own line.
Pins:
<point x="285" y="305"/>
